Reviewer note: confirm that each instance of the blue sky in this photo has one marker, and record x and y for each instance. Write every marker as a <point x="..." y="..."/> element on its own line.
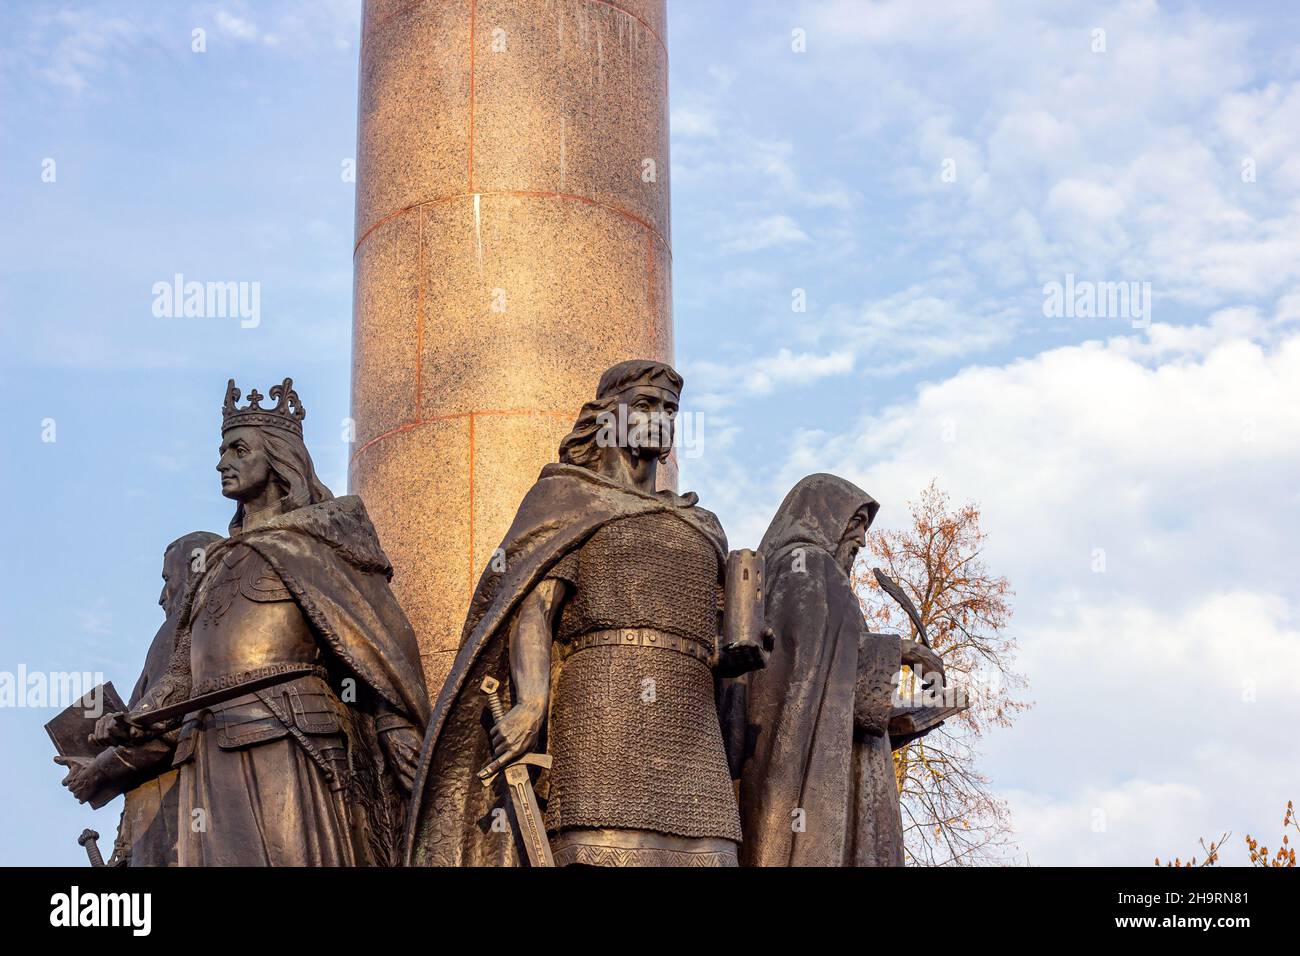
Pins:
<point x="1164" y="686"/>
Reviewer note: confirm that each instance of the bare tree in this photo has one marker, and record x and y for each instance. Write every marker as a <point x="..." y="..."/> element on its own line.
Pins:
<point x="950" y="815"/>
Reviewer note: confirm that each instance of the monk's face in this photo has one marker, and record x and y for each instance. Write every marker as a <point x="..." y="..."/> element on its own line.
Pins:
<point x="651" y="416"/>
<point x="854" y="540"/>
<point x="244" y="466"/>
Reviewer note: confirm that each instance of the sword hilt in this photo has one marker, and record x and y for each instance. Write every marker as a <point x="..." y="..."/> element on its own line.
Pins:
<point x="491" y="687"/>
<point x="87" y="840"/>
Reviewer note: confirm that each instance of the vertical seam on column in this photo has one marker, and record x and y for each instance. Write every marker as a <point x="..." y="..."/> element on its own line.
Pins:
<point x="419" y="321"/>
<point x="471" y="505"/>
<point x="473" y="14"/>
<point x="651" y="295"/>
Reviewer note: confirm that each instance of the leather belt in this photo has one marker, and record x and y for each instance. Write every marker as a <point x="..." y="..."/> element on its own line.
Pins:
<point x="637" y="637"/>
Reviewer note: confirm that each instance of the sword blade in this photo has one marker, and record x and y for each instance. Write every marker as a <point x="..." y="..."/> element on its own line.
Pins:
<point x="146" y="718"/>
<point x="529" y="816"/>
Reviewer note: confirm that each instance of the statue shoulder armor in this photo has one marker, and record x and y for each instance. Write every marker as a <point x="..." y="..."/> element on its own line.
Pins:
<point x="260" y="582"/>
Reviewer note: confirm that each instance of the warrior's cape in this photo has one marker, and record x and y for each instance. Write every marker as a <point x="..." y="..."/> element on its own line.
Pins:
<point x="329" y="558"/>
<point x="451" y="823"/>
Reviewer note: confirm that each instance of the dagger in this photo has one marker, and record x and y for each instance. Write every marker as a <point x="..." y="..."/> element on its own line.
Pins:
<point x="87" y="840"/>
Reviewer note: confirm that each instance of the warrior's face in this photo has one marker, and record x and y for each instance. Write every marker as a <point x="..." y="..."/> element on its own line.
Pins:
<point x="651" y="415"/>
<point x="853" y="541"/>
<point x="244" y="466"/>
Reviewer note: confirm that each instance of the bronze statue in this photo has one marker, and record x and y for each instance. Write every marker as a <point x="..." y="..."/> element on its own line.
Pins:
<point x="296" y="670"/>
<point x="817" y="781"/>
<point x="600" y="620"/>
<point x="146" y="832"/>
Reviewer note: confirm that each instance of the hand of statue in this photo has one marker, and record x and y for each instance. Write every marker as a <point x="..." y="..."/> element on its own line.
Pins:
<point x="924" y="662"/>
<point x="515" y="735"/>
<point x="745" y="656"/>
<point x="402" y="748"/>
<point x="112" y="729"/>
<point x="83" y="777"/>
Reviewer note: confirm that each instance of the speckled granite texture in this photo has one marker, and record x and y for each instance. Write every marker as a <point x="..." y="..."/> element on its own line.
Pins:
<point x="509" y="248"/>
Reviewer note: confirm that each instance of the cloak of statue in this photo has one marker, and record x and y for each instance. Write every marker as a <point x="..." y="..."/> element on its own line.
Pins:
<point x="328" y="557"/>
<point x="146" y="832"/>
<point x="453" y="813"/>
<point x="817" y="783"/>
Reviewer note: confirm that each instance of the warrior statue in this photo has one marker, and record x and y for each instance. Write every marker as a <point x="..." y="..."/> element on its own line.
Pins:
<point x="600" y="614"/>
<point x="146" y="833"/>
<point x="311" y="766"/>
<point x="817" y="787"/>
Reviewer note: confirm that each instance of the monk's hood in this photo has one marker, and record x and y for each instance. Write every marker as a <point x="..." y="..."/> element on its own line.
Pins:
<point x="816" y="513"/>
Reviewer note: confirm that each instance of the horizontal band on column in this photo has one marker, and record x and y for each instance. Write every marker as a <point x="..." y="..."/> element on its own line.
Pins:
<point x="514" y="194"/>
<point x="407" y="8"/>
<point x="455" y="416"/>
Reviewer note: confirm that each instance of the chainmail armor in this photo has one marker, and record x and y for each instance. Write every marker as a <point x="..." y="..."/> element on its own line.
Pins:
<point x="650" y="571"/>
<point x="637" y="745"/>
<point x="634" y="729"/>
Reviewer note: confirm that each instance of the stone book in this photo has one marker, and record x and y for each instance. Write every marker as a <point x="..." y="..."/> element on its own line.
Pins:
<point x="908" y="723"/>
<point x="70" y="730"/>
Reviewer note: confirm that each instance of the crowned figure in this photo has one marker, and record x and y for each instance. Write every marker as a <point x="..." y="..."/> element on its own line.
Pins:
<point x="312" y="766"/>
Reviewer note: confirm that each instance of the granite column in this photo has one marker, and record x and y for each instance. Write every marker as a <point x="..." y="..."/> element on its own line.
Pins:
<point x="512" y="241"/>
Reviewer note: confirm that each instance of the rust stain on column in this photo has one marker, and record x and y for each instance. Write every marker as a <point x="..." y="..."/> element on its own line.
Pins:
<point x="500" y="153"/>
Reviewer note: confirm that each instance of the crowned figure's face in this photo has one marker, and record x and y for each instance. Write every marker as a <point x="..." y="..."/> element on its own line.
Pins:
<point x="244" y="466"/>
<point x="651" y="416"/>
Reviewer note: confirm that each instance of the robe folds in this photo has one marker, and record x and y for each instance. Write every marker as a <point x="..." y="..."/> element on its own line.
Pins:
<point x="147" y="829"/>
<point x="271" y="798"/>
<point x="452" y="822"/>
<point x="816" y="776"/>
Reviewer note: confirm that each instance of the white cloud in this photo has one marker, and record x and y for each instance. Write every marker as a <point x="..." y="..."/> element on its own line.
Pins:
<point x="711" y="143"/>
<point x="235" y="27"/>
<point x="775" y="230"/>
<point x="97" y="622"/>
<point x="919" y="325"/>
<point x="1155" y="719"/>
<point x="725" y="383"/>
<point x="1125" y="164"/>
<point x="72" y="47"/>
<point x="694" y="123"/>
<point x="1128" y="825"/>
<point x="1165" y="680"/>
<point x="83" y="44"/>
